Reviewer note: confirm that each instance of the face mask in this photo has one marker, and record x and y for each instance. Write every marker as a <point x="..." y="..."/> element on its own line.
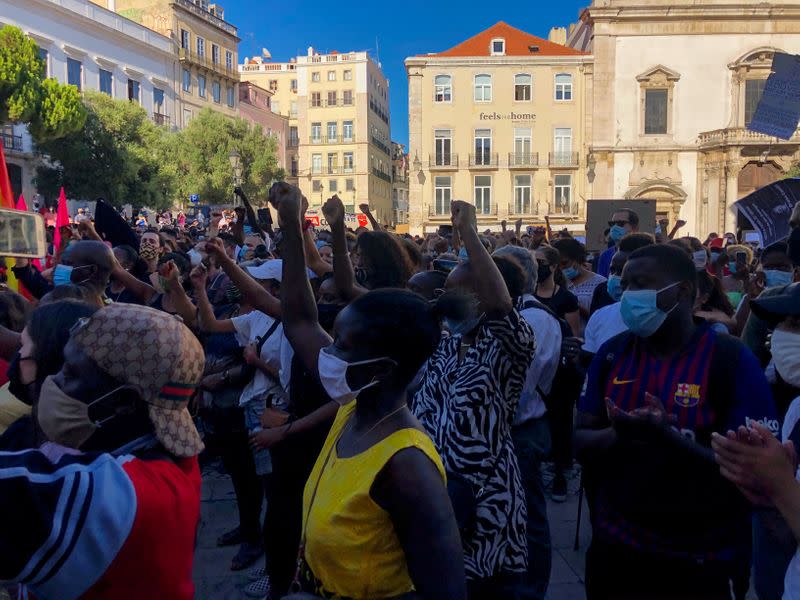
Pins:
<point x="614" y="287"/>
<point x="232" y="294"/>
<point x="148" y="252"/>
<point x="700" y="259"/>
<point x="640" y="312"/>
<point x="570" y="273"/>
<point x="617" y="233"/>
<point x="65" y="420"/>
<point x="785" y="348"/>
<point x="732" y="266"/>
<point x="658" y="229"/>
<point x="715" y="255"/>
<point x="195" y="257"/>
<point x="62" y="275"/>
<point x="543" y="273"/>
<point x="462" y="327"/>
<point x="734" y="297"/>
<point x="777" y="278"/>
<point x="333" y="376"/>
<point x="21" y="391"/>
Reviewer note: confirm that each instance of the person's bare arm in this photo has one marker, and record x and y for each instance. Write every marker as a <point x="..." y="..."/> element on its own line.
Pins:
<point x="87" y="230"/>
<point x="266" y="438"/>
<point x="343" y="274"/>
<point x="176" y="293"/>
<point x="251" y="215"/>
<point x="143" y="291"/>
<point x="315" y="262"/>
<point x="237" y="228"/>
<point x="364" y="208"/>
<point x="573" y="319"/>
<point x="9" y="343"/>
<point x="207" y="321"/>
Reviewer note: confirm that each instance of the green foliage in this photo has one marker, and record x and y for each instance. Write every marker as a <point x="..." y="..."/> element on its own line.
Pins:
<point x="794" y="171"/>
<point x="50" y="108"/>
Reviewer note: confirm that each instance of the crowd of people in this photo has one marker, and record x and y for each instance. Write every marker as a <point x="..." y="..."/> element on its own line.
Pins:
<point x="393" y="401"/>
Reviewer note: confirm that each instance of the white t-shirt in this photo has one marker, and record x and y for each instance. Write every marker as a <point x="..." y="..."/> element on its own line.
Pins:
<point x="791" y="583"/>
<point x="249" y="328"/>
<point x="604" y="324"/>
<point x="543" y="367"/>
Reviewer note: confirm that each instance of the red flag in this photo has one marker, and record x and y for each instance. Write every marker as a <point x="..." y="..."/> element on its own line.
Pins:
<point x="21" y="205"/>
<point x="62" y="220"/>
<point x="7" y="201"/>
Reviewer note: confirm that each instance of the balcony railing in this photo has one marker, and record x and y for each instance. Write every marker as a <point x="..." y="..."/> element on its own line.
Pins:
<point x="381" y="175"/>
<point x="294" y="142"/>
<point x="268" y="67"/>
<point x="522" y="160"/>
<point x="206" y="15"/>
<point x="443" y="161"/>
<point x="12" y="142"/>
<point x="339" y="139"/>
<point x="187" y="56"/>
<point x="564" y="208"/>
<point x="381" y="145"/>
<point x="523" y="209"/>
<point x="564" y="159"/>
<point x="486" y="211"/>
<point x="486" y="160"/>
<point x="739" y="136"/>
<point x="160" y="119"/>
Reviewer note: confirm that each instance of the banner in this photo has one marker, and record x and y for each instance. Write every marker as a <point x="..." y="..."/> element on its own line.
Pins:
<point x="351" y="220"/>
<point x="778" y="111"/>
<point x="769" y="208"/>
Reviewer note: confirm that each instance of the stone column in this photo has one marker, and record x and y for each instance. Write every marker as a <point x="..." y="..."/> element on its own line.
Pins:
<point x="731" y="195"/>
<point x="416" y="179"/>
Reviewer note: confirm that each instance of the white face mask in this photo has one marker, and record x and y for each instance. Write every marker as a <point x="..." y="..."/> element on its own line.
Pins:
<point x="786" y="354"/>
<point x="700" y="259"/>
<point x="333" y="376"/>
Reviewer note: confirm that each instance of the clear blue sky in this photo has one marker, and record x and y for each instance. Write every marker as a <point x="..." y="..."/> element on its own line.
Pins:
<point x="396" y="29"/>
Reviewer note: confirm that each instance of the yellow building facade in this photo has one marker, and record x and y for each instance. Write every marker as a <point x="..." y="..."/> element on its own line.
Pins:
<point x="339" y="141"/>
<point x="501" y="121"/>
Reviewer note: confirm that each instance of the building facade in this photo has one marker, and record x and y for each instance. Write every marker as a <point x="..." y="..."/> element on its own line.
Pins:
<point x="499" y="120"/>
<point x="205" y="45"/>
<point x="92" y="48"/>
<point x="400" y="171"/>
<point x="338" y="110"/>
<point x="676" y="83"/>
<point x="255" y="105"/>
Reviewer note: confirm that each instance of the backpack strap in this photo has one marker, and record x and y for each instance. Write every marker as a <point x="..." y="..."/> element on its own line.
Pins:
<point x="262" y="340"/>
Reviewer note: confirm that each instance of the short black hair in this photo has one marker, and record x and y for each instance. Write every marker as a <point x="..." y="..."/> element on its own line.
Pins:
<point x="776" y="247"/>
<point x="571" y="248"/>
<point x="512" y="274"/>
<point x="634" y="241"/>
<point x="633" y="216"/>
<point x="672" y="260"/>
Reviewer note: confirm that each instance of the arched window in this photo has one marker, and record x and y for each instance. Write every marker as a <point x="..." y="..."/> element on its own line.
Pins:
<point x="563" y="87"/>
<point x="442" y="88"/>
<point x="483" y="88"/>
<point x="523" y="85"/>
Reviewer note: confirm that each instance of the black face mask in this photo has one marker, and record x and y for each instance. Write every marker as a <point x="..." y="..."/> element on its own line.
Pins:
<point x="544" y="272"/>
<point x="361" y="275"/>
<point x="21" y="391"/>
<point x="327" y="315"/>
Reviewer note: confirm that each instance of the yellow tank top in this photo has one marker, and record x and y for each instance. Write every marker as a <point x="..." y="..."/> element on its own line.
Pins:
<point x="350" y="542"/>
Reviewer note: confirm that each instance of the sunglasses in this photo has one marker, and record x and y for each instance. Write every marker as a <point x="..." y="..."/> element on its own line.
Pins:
<point x="620" y="223"/>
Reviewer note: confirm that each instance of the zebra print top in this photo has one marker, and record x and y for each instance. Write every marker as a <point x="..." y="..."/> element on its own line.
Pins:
<point x="468" y="409"/>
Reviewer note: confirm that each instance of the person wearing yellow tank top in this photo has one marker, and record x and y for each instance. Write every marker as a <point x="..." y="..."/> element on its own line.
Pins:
<point x="377" y="521"/>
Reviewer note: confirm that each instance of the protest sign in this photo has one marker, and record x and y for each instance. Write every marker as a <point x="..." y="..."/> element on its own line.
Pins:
<point x="778" y="111"/>
<point x="768" y="209"/>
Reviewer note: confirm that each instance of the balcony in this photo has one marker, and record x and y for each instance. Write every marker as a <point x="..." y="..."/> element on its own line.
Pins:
<point x="739" y="136"/>
<point x="525" y="160"/>
<point x="484" y="160"/>
<point x="564" y="209"/>
<point x="206" y="15"/>
<point x="381" y="175"/>
<point x="161" y="119"/>
<point x="12" y="142"/>
<point x="381" y="145"/>
<point x="293" y="143"/>
<point x="339" y="139"/>
<point x="486" y="211"/>
<point x="525" y="209"/>
<point x="205" y="62"/>
<point x="564" y="160"/>
<point x="443" y="162"/>
<point x="439" y="212"/>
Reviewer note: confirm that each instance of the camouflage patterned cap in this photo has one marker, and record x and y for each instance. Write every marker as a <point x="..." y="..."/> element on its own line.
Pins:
<point x="155" y="354"/>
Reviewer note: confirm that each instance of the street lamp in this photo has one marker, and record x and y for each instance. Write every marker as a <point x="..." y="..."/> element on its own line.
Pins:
<point x="417" y="162"/>
<point x="236" y="167"/>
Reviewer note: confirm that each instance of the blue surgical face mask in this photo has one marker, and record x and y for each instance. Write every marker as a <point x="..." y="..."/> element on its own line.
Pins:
<point x="700" y="259"/>
<point x="62" y="274"/>
<point x="570" y="273"/>
<point x="777" y="278"/>
<point x="617" y="233"/>
<point x="640" y="312"/>
<point x="463" y="327"/>
<point x="614" y="287"/>
<point x="732" y="266"/>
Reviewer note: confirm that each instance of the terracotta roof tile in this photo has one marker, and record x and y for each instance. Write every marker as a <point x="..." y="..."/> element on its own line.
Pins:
<point x="517" y="44"/>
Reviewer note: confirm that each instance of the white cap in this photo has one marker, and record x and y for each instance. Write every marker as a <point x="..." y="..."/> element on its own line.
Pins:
<point x="272" y="269"/>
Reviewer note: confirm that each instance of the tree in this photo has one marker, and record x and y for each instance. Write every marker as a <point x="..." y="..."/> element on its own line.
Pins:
<point x="794" y="171"/>
<point x="199" y="163"/>
<point x="49" y="108"/>
<point x="118" y="155"/>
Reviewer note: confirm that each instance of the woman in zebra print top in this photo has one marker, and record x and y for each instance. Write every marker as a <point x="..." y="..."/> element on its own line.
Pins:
<point x="467" y="402"/>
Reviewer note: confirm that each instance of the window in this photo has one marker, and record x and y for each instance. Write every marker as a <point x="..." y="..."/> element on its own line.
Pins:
<point x="229" y="60"/>
<point x="74" y="72"/>
<point x="348" y="75"/>
<point x="215" y="54"/>
<point x="443" y="144"/>
<point x="185" y="39"/>
<point x="187" y="81"/>
<point x="333" y="163"/>
<point x="332" y="131"/>
<point x="158" y="101"/>
<point x="333" y="185"/>
<point x="106" y="82"/>
<point x="483" y="147"/>
<point x="498" y="47"/>
<point x="563" y="87"/>
<point x="522" y="146"/>
<point x="45" y="56"/>
<point x="483" y="88"/>
<point x="655" y="111"/>
<point x="316" y="132"/>
<point x="187" y="116"/>
<point x="563" y="191"/>
<point x="316" y="100"/>
<point x="522" y="194"/>
<point x="201" y="86"/>
<point x="347" y="131"/>
<point x="133" y="90"/>
<point x="294" y="137"/>
<point x="201" y="47"/>
<point x="753" y="89"/>
<point x="331" y="98"/>
<point x="348" y="162"/>
<point x="315" y="76"/>
<point x="316" y="163"/>
<point x="216" y="91"/>
<point x="522" y="87"/>
<point x="276" y="106"/>
<point x="442" y="88"/>
<point x="443" y="190"/>
<point x="273" y="85"/>
<point x="483" y="194"/>
<point x="350" y="185"/>
<point x="293" y="109"/>
<point x="316" y="186"/>
<point x="231" y="99"/>
<point x="293" y="85"/>
<point x="331" y="75"/>
<point x="347" y="98"/>
<point x="562" y="144"/>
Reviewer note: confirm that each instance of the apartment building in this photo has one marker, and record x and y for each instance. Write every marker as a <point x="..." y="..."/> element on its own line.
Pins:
<point x="255" y="105"/>
<point x="339" y="126"/>
<point x="499" y="120"/>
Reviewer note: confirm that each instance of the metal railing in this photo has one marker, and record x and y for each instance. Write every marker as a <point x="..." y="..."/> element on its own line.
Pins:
<point x="486" y="160"/>
<point x="339" y="139"/>
<point x="566" y="208"/>
<point x="523" y="209"/>
<point x="12" y="142"/>
<point x="381" y="175"/>
<point x="386" y="150"/>
<point x="205" y="61"/>
<point x="443" y="161"/>
<point x="486" y="211"/>
<point x="563" y="159"/>
<point x="524" y="159"/>
<point x="440" y="211"/>
<point x="206" y="15"/>
<point x="160" y="119"/>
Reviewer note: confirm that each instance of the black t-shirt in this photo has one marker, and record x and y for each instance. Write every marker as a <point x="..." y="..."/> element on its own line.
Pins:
<point x="561" y="303"/>
<point x="600" y="299"/>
